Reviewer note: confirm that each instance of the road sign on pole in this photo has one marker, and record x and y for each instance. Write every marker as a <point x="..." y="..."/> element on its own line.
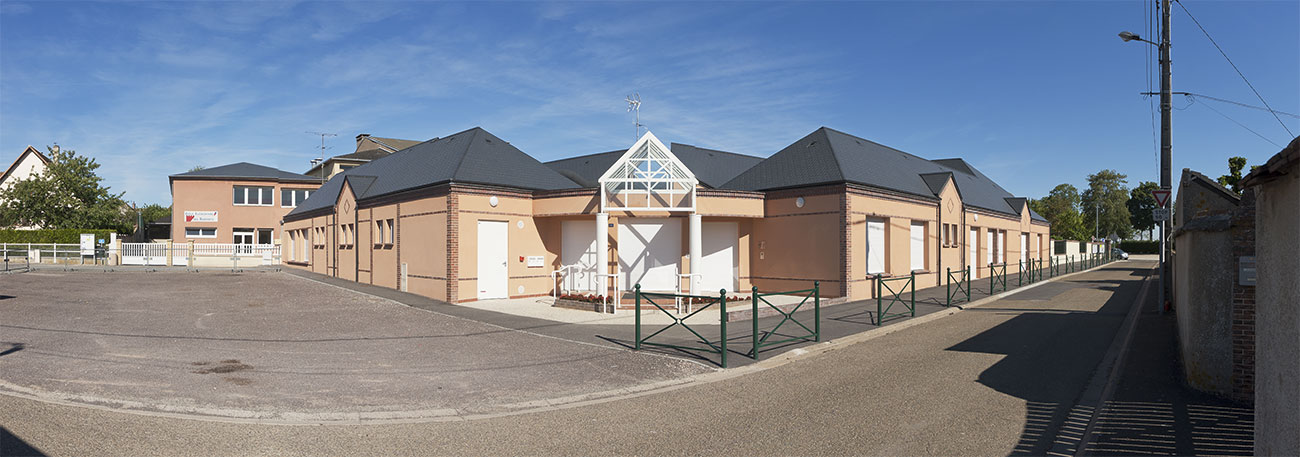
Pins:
<point x="1162" y="197"/>
<point x="1160" y="214"/>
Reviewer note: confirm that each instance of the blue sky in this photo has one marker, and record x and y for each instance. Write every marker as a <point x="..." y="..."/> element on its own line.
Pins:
<point x="1033" y="93"/>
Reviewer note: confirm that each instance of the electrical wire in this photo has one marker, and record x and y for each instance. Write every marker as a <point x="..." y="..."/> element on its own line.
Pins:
<point x="1225" y="116"/>
<point x="1234" y="67"/>
<point x="1284" y="113"/>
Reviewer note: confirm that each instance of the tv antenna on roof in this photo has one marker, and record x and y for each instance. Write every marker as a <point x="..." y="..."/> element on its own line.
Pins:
<point x="321" y="159"/>
<point x="634" y="106"/>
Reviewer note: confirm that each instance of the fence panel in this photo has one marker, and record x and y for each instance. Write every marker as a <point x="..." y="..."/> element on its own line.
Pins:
<point x="813" y="334"/>
<point x="896" y="287"/>
<point x="963" y="285"/>
<point x="719" y="348"/>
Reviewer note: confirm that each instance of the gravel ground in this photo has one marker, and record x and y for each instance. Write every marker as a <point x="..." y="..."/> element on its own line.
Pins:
<point x="272" y="346"/>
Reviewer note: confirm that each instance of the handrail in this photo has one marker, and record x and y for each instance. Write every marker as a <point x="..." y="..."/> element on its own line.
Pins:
<point x="617" y="295"/>
<point x="555" y="275"/>
<point x="679" y="290"/>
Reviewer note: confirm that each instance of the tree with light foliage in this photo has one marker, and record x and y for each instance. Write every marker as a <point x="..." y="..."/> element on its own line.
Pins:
<point x="68" y="194"/>
<point x="1104" y="205"/>
<point x="1061" y="208"/>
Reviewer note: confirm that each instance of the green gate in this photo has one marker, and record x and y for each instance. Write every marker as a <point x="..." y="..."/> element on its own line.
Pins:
<point x="963" y="285"/>
<point x="719" y="348"/>
<point x="814" y="334"/>
<point x="908" y="285"/>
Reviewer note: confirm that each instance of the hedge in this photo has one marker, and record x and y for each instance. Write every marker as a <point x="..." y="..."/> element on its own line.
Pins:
<point x="1140" y="247"/>
<point x="66" y="236"/>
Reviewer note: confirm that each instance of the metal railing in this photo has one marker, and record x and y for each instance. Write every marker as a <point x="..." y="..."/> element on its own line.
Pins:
<point x="612" y="300"/>
<point x="996" y="278"/>
<point x="908" y="285"/>
<point x="555" y="275"/>
<point x="720" y="300"/>
<point x="963" y="285"/>
<point x="40" y="252"/>
<point x="814" y="334"/>
<point x="685" y="307"/>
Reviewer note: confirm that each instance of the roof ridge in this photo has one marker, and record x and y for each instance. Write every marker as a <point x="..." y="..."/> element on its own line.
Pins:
<point x="617" y="151"/>
<point x="456" y="171"/>
<point x="670" y="146"/>
<point x="839" y="167"/>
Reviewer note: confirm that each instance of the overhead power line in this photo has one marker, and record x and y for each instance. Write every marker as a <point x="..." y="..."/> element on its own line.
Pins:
<point x="1225" y="116"/>
<point x="1275" y="112"/>
<point x="1234" y="67"/>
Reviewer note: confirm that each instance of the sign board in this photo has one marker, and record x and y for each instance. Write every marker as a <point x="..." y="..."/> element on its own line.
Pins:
<point x="535" y="261"/>
<point x="1162" y="197"/>
<point x="200" y="216"/>
<point x="1246" y="270"/>
<point x="87" y="244"/>
<point x="1160" y="214"/>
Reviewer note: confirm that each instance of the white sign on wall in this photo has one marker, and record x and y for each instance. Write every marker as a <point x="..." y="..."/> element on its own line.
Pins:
<point x="200" y="216"/>
<point x="535" y="261"/>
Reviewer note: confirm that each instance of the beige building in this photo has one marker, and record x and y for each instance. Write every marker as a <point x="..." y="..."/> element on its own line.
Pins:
<point x="29" y="163"/>
<point x="240" y="203"/>
<point x="469" y="217"/>
<point x="368" y="148"/>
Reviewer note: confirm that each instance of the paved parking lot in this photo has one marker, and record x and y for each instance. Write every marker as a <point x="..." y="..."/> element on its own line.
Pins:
<point x="273" y="346"/>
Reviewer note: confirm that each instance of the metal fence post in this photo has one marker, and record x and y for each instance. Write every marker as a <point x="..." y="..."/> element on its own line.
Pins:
<point x="879" y="280"/>
<point x="722" y="297"/>
<point x="817" y="310"/>
<point x="947" y="283"/>
<point x="913" y="281"/>
<point x="967" y="283"/>
<point x="753" y="317"/>
<point x="638" y="316"/>
<point x="992" y="273"/>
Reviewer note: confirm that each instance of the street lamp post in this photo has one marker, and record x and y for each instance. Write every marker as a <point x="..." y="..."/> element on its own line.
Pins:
<point x="1166" y="129"/>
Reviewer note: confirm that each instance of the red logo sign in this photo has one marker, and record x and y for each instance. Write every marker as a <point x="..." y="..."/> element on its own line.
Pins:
<point x="1162" y="197"/>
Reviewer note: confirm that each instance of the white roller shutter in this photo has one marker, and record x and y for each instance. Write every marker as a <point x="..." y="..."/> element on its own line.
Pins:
<point x="918" y="246"/>
<point x="875" y="246"/>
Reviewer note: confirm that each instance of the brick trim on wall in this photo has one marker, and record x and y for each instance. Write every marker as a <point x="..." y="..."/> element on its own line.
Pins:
<point x="453" y="247"/>
<point x="1243" y="301"/>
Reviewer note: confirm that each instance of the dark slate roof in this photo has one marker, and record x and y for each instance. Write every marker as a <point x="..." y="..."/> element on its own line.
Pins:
<point x="712" y="167"/>
<point x="474" y="156"/>
<point x="246" y="170"/>
<point x="369" y="154"/>
<point x="828" y="156"/>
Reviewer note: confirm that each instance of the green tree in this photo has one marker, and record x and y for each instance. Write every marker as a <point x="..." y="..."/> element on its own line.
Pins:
<point x="67" y="195"/>
<point x="1104" y="210"/>
<point x="1061" y="208"/>
<point x="1231" y="180"/>
<point x="1140" y="204"/>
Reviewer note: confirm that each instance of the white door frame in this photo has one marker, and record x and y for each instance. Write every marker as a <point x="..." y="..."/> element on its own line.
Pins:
<point x="493" y="279"/>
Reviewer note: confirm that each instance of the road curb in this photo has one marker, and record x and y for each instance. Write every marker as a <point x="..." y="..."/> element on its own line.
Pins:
<point x="513" y="409"/>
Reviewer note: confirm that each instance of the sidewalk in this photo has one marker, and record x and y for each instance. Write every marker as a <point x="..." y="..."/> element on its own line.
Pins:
<point x="1153" y="411"/>
<point x="619" y="330"/>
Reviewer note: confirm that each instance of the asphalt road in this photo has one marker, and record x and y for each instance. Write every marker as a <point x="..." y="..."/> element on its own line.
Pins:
<point x="994" y="380"/>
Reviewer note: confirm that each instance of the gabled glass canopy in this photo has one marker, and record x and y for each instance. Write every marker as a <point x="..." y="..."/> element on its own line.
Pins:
<point x="648" y="177"/>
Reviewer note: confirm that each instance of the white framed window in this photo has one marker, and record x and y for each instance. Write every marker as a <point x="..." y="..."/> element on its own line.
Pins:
<point x="291" y="198"/>
<point x="918" y="246"/>
<point x="200" y="232"/>
<point x="392" y="237"/>
<point x="875" y="246"/>
<point x="380" y="237"/>
<point x="254" y="196"/>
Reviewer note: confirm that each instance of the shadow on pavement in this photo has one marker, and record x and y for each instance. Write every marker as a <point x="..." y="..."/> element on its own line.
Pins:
<point x="12" y="445"/>
<point x="1050" y="357"/>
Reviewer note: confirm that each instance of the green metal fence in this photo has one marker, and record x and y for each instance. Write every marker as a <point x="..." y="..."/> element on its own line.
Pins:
<point x="996" y="278"/>
<point x="813" y="334"/>
<point x="963" y="285"/>
<point x="720" y="347"/>
<point x="896" y="288"/>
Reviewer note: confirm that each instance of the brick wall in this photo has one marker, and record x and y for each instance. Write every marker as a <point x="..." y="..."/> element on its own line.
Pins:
<point x="1243" y="301"/>
<point x="453" y="247"/>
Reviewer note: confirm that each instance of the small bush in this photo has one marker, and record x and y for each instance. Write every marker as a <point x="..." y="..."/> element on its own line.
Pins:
<point x="1140" y="247"/>
<point x="64" y="236"/>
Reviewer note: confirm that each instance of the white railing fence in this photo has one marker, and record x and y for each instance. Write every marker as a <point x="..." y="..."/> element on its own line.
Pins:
<point x="200" y="254"/>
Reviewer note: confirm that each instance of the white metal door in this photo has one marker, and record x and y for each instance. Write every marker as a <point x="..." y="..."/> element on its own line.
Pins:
<point x="1024" y="247"/>
<point x="875" y="246"/>
<point x="579" y="249"/>
<point x="649" y="251"/>
<point x="1002" y="246"/>
<point x="918" y="246"/>
<point x="989" y="247"/>
<point x="974" y="252"/>
<point x="493" y="272"/>
<point x="720" y="246"/>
